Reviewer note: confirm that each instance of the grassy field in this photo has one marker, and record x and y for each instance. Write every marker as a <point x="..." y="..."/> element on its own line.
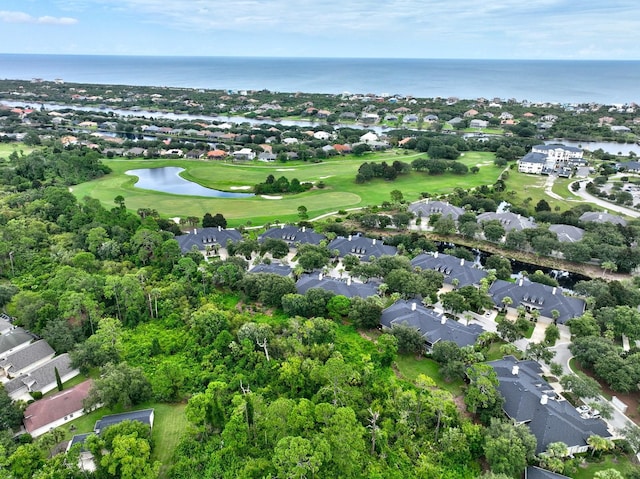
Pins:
<point x="7" y="148"/>
<point x="410" y="368"/>
<point x="526" y="186"/>
<point x="621" y="464"/>
<point x="338" y="174"/>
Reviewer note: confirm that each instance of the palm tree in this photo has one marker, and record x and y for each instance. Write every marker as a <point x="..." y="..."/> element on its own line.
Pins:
<point x="599" y="443"/>
<point x="506" y="302"/>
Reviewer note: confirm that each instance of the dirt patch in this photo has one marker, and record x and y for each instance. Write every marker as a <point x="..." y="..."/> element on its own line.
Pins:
<point x="462" y="407"/>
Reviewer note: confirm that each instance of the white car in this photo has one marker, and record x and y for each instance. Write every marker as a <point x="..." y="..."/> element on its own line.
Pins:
<point x="584" y="409"/>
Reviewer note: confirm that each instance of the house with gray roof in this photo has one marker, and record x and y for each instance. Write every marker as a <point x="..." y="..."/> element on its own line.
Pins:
<point x="530" y="400"/>
<point x="433" y="326"/>
<point x="273" y="268"/>
<point x="509" y="221"/>
<point x="630" y="166"/>
<point x="537" y="296"/>
<point x="42" y="378"/>
<point x="602" y="217"/>
<point x="426" y="208"/>
<point x="567" y="233"/>
<point x="13" y="340"/>
<point x="208" y="240"/>
<point x="293" y="235"/>
<point x="145" y="416"/>
<point x="26" y="359"/>
<point x="534" y="472"/>
<point x="463" y="272"/>
<point x="343" y="286"/>
<point x="361" y="246"/>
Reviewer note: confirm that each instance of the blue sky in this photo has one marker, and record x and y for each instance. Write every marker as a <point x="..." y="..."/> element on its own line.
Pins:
<point x="503" y="29"/>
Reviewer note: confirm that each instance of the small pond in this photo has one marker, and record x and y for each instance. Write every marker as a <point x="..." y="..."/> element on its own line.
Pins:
<point x="168" y="180"/>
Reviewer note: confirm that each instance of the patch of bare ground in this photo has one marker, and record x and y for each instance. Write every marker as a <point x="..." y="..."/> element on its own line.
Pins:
<point x="462" y="407"/>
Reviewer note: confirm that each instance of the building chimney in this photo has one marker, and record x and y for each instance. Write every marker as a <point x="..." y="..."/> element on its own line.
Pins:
<point x="521" y="282"/>
<point x="320" y="276"/>
<point x="553" y="291"/>
<point x="435" y="255"/>
<point x="349" y="239"/>
<point x="413" y="306"/>
<point x="304" y="228"/>
<point x="219" y="228"/>
<point x="195" y="231"/>
<point x="349" y="281"/>
<point x="373" y="241"/>
<point x="443" y="319"/>
<point x="515" y="369"/>
<point x="282" y="226"/>
<point x="544" y="399"/>
<point x="461" y="261"/>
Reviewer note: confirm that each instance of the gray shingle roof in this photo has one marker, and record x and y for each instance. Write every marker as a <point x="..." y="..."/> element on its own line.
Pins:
<point x="533" y="472"/>
<point x="342" y="287"/>
<point x="361" y="246"/>
<point x="539" y="296"/>
<point x="451" y="267"/>
<point x="23" y="358"/>
<point x="144" y="416"/>
<point x="433" y="326"/>
<point x="274" y="268"/>
<point x="534" y="157"/>
<point x="292" y="235"/>
<point x="203" y="237"/>
<point x="600" y="217"/>
<point x="428" y="208"/>
<point x="5" y="325"/>
<point x="555" y="146"/>
<point x="44" y="375"/>
<point x="14" y="338"/>
<point x="510" y="221"/>
<point x="554" y="421"/>
<point x="567" y="233"/>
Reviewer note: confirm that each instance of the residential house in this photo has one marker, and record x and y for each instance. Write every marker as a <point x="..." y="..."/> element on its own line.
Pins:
<point x="86" y="461"/>
<point x="13" y="340"/>
<point x="433" y="326"/>
<point x="530" y="400"/>
<point x="345" y="287"/>
<point x="216" y="154"/>
<point x="208" y="240"/>
<point x="369" y="137"/>
<point x="456" y="271"/>
<point x="293" y="235"/>
<point x="470" y="113"/>
<point x="629" y="166"/>
<point x="195" y="154"/>
<point x="48" y="413"/>
<point x="602" y="217"/>
<point x="537" y="296"/>
<point x="322" y="135"/>
<point x="509" y="221"/>
<point x="42" y="378"/>
<point x="475" y="123"/>
<point x="567" y="233"/>
<point x="244" y="154"/>
<point x="272" y="268"/>
<point x="361" y="246"/>
<point x="426" y="208"/>
<point x="266" y="156"/>
<point x="534" y="472"/>
<point x="145" y="416"/>
<point x="26" y="359"/>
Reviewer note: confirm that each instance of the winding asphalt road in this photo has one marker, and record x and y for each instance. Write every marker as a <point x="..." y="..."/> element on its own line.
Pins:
<point x="582" y="192"/>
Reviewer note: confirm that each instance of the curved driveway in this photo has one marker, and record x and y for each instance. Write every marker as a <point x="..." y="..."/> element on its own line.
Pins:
<point x="582" y="192"/>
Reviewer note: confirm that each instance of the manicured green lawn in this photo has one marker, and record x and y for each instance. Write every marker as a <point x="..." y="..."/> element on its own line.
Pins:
<point x="410" y="368"/>
<point x="341" y="191"/>
<point x="621" y="464"/>
<point x="169" y="426"/>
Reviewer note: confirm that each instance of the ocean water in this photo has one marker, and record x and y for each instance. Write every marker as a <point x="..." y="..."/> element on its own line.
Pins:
<point x="609" y="82"/>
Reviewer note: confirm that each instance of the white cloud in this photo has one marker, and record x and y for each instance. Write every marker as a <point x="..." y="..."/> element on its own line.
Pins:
<point x="22" y="17"/>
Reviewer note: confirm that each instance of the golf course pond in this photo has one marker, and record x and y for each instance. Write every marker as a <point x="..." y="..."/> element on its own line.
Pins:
<point x="168" y="180"/>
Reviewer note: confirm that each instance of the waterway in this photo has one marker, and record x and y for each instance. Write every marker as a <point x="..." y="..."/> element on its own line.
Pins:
<point x="168" y="180"/>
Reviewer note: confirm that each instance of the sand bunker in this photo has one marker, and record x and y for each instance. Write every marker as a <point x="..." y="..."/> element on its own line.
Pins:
<point x="239" y="187"/>
<point x="269" y="197"/>
<point x="286" y="169"/>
